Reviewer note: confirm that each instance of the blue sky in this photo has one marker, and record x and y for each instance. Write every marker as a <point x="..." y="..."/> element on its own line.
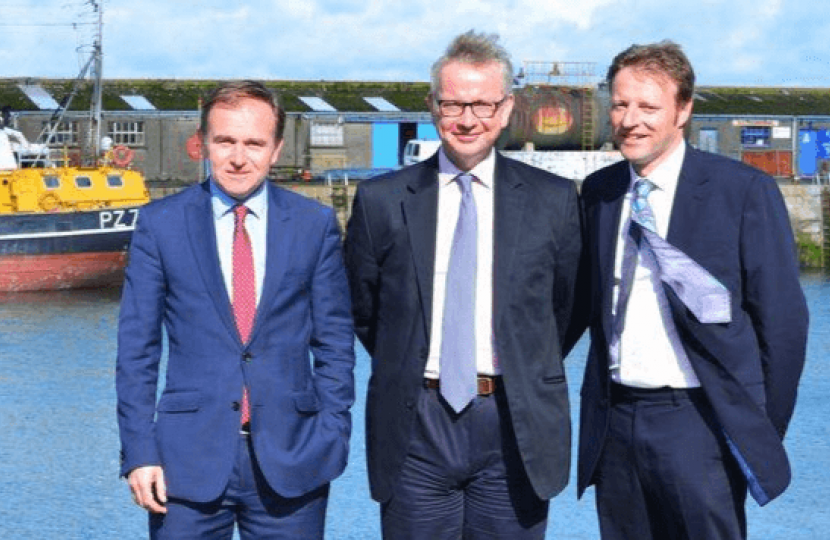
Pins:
<point x="730" y="42"/>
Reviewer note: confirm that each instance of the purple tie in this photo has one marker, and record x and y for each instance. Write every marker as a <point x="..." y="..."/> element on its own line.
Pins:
<point x="458" y="361"/>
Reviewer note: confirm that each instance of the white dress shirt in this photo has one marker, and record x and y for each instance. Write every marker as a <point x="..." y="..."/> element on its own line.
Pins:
<point x="256" y="223"/>
<point x="651" y="352"/>
<point x="449" y="201"/>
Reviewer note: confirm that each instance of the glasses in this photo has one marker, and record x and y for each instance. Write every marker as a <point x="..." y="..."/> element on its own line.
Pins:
<point x="481" y="109"/>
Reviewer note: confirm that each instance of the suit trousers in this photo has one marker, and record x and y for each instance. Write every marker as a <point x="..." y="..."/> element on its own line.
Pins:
<point x="666" y="472"/>
<point x="463" y="477"/>
<point x="248" y="501"/>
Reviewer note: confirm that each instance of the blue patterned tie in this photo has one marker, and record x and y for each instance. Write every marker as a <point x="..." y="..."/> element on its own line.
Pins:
<point x="458" y="361"/>
<point x="702" y="293"/>
<point x="640" y="209"/>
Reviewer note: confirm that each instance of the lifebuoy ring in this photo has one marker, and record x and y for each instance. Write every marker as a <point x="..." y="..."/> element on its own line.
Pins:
<point x="49" y="201"/>
<point x="122" y="156"/>
<point x="194" y="147"/>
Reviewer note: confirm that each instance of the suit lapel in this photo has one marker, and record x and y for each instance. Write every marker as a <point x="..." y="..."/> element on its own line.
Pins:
<point x="609" y="215"/>
<point x="690" y="193"/>
<point x="420" y="215"/>
<point x="510" y="199"/>
<point x="276" y="252"/>
<point x="201" y="231"/>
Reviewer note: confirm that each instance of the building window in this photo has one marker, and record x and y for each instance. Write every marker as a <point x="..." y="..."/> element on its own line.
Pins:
<point x="326" y="135"/>
<point x="127" y="133"/>
<point x="65" y="134"/>
<point x="758" y="136"/>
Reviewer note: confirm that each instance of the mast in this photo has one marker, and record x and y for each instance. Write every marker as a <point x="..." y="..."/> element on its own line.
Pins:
<point x="97" y="66"/>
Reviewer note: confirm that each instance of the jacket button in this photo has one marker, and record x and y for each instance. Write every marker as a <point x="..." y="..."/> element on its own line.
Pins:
<point x="235" y="405"/>
<point x="247" y="356"/>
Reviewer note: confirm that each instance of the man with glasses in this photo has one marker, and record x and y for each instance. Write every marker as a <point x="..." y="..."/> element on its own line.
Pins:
<point x="462" y="271"/>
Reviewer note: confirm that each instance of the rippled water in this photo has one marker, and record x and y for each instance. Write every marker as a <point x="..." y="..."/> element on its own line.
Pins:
<point x="59" y="441"/>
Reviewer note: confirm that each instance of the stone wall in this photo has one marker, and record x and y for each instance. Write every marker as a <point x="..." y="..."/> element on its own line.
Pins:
<point x="803" y="204"/>
<point x="804" y="207"/>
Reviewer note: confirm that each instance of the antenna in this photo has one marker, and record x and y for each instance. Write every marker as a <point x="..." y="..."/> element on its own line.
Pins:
<point x="97" y="74"/>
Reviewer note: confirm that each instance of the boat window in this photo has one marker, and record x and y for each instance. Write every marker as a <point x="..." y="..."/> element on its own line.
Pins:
<point x="83" y="181"/>
<point x="51" y="182"/>
<point x="115" y="180"/>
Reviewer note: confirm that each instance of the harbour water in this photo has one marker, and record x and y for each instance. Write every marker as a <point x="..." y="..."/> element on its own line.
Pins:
<point x="59" y="440"/>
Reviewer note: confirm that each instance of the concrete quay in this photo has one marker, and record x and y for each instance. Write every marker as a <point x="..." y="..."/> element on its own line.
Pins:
<point x="804" y="204"/>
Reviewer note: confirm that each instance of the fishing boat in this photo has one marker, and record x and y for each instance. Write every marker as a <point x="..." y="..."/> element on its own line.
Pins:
<point x="66" y="226"/>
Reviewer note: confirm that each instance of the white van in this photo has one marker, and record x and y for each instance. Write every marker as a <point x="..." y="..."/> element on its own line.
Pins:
<point x="418" y="150"/>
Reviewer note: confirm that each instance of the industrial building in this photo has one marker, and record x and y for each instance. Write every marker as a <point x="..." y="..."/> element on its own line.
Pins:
<point x="365" y="125"/>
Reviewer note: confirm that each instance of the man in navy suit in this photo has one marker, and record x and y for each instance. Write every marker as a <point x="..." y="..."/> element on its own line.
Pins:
<point x="248" y="282"/>
<point x="683" y="410"/>
<point x="485" y="468"/>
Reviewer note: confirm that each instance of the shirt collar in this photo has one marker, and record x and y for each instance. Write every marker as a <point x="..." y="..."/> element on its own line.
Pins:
<point x="484" y="171"/>
<point x="223" y="203"/>
<point x="665" y="176"/>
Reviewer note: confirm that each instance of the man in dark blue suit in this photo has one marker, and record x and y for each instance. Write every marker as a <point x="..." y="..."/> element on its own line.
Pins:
<point x="248" y="282"/>
<point x="687" y="394"/>
<point x="485" y="465"/>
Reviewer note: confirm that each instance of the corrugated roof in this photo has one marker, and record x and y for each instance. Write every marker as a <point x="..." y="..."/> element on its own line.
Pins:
<point x="408" y="97"/>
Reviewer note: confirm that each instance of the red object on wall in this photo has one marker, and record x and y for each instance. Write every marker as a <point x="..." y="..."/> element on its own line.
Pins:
<point x="772" y="162"/>
<point x="194" y="147"/>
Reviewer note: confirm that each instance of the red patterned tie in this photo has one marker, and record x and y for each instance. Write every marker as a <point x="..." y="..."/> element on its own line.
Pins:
<point x="244" y="289"/>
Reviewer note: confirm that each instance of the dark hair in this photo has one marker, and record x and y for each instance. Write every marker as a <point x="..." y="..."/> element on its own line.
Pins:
<point x="666" y="58"/>
<point x="475" y="48"/>
<point x="232" y="91"/>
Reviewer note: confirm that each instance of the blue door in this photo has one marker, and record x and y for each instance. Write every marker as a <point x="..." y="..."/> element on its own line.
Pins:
<point x="807" y="152"/>
<point x="427" y="131"/>
<point x="384" y="145"/>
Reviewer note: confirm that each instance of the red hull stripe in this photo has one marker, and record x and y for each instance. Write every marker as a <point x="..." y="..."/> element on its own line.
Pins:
<point x="64" y="271"/>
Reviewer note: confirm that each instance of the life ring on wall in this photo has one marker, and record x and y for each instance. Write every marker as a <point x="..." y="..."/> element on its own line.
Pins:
<point x="194" y="147"/>
<point x="122" y="156"/>
<point x="49" y="201"/>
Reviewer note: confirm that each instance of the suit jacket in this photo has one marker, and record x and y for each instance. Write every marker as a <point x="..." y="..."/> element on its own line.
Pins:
<point x="390" y="254"/>
<point x="300" y="420"/>
<point x="731" y="219"/>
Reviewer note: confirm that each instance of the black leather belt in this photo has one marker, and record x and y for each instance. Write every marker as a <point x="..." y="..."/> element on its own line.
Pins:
<point x="487" y="384"/>
<point x="622" y="393"/>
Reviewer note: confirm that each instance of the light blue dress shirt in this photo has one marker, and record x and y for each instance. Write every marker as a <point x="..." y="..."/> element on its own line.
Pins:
<point x="256" y="222"/>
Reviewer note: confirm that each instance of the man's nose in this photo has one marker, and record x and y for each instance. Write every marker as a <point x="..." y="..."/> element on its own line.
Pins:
<point x="238" y="155"/>
<point x="631" y="117"/>
<point x="467" y="117"/>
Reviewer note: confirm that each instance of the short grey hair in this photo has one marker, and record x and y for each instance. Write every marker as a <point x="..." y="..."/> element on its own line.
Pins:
<point x="475" y="48"/>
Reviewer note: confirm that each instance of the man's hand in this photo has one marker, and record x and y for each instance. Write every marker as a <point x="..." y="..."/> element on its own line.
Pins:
<point x="149" y="490"/>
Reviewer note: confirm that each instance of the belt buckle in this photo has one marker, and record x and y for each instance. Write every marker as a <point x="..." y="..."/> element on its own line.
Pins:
<point x="486" y="386"/>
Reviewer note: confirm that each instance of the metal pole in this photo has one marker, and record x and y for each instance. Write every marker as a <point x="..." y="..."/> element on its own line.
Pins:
<point x="95" y="104"/>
